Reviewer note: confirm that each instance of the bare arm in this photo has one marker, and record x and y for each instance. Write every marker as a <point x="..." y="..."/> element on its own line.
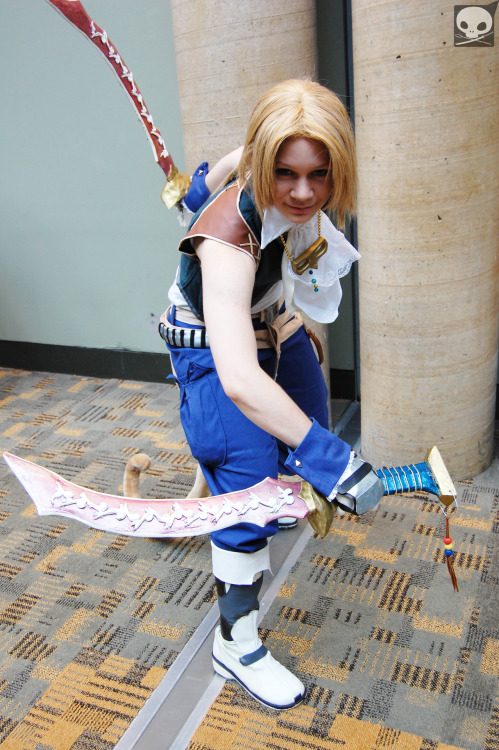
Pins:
<point x="222" y="169"/>
<point x="228" y="278"/>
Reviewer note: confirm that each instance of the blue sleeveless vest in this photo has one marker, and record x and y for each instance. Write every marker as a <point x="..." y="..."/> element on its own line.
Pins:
<point x="268" y="261"/>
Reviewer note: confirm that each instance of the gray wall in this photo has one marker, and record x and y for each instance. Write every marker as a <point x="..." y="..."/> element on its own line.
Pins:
<point x="87" y="248"/>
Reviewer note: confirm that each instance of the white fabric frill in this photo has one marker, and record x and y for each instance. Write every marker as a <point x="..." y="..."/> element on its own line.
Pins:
<point x="184" y="214"/>
<point x="299" y="291"/>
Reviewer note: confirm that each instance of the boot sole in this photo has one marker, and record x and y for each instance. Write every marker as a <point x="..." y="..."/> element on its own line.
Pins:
<point x="225" y="672"/>
<point x="287" y="526"/>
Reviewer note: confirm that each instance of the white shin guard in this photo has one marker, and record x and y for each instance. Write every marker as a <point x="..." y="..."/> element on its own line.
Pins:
<point x="239" y="567"/>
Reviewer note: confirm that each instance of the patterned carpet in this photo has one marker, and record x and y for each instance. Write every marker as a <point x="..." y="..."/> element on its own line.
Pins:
<point x="91" y="622"/>
<point x="391" y="656"/>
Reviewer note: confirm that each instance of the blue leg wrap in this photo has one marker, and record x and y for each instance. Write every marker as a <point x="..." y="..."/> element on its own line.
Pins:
<point x="235" y="603"/>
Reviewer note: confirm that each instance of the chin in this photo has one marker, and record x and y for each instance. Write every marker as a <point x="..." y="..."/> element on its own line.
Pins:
<point x="300" y="217"/>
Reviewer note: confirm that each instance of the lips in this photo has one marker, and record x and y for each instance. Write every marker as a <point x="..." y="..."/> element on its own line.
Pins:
<point x="302" y="210"/>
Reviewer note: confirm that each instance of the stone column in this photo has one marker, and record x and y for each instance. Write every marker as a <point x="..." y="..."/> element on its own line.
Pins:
<point x="426" y="115"/>
<point x="228" y="53"/>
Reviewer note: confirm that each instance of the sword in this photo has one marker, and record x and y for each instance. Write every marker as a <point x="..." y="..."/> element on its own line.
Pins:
<point x="266" y="501"/>
<point x="177" y="183"/>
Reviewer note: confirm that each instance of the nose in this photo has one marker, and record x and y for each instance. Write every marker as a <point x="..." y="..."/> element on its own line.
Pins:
<point x="302" y="189"/>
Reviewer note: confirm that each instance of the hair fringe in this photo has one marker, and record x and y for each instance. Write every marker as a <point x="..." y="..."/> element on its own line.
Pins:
<point x="300" y="108"/>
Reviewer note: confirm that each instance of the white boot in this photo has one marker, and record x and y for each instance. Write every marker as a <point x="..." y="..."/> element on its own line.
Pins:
<point x="238" y="652"/>
<point x="246" y="660"/>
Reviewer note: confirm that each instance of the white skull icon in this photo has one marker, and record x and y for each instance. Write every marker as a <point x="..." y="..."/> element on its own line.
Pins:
<point x="474" y="21"/>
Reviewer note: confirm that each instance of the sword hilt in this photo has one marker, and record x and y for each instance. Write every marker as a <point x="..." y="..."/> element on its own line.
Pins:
<point x="430" y="475"/>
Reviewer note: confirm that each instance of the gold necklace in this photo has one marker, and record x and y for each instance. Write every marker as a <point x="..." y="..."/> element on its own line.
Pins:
<point x="309" y="258"/>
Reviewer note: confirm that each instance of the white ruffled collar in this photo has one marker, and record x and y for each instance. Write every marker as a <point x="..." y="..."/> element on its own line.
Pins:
<point x="317" y="292"/>
<point x="274" y="224"/>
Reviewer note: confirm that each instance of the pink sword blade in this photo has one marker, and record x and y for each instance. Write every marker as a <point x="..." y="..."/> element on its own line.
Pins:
<point x="159" y="518"/>
<point x="76" y="14"/>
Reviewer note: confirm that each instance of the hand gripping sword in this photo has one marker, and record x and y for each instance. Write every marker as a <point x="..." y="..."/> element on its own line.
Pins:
<point x="177" y="183"/>
<point x="266" y="501"/>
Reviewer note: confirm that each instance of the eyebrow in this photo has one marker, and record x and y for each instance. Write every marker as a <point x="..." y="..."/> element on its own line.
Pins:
<point x="324" y="164"/>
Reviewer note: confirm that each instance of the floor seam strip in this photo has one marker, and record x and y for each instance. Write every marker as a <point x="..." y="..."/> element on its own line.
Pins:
<point x="169" y="681"/>
<point x="183" y="739"/>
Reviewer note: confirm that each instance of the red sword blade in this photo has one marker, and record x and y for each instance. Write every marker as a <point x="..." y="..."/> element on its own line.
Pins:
<point x="76" y="14"/>
<point x="159" y="518"/>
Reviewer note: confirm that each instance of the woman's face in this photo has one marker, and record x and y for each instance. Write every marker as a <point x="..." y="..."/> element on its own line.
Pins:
<point x="302" y="183"/>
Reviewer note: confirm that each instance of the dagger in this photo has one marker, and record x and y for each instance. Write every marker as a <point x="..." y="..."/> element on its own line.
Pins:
<point x="268" y="500"/>
<point x="177" y="183"/>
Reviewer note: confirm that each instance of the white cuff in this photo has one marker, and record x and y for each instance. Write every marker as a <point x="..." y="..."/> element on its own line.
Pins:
<point x="344" y="476"/>
<point x="239" y="567"/>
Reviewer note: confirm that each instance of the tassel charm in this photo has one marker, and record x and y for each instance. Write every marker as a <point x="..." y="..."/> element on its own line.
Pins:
<point x="448" y="552"/>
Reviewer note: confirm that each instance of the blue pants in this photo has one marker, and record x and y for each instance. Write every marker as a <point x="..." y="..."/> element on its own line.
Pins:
<point x="233" y="452"/>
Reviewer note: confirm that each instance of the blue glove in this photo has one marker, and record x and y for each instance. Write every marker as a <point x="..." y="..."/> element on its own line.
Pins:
<point x="198" y="193"/>
<point x="321" y="458"/>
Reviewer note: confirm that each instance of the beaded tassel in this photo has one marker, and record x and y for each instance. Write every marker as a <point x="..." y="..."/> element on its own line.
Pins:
<point x="448" y="551"/>
<point x="314" y="282"/>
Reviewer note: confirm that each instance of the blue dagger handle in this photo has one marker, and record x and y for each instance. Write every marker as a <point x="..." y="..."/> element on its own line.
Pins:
<point x="411" y="478"/>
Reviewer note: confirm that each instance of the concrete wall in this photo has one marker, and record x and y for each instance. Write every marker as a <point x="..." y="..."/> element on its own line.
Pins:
<point x="87" y="247"/>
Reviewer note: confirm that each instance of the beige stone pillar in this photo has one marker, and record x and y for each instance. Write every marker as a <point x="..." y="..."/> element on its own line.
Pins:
<point x="228" y="53"/>
<point x="426" y="115"/>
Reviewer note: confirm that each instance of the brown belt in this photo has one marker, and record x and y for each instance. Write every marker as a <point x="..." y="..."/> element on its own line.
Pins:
<point x="282" y="327"/>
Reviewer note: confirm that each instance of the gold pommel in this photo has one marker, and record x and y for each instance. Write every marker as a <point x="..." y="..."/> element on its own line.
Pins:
<point x="447" y="492"/>
<point x="176" y="186"/>
<point x="321" y="510"/>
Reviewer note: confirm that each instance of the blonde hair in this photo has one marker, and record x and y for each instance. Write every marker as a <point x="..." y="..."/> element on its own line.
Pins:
<point x="300" y="108"/>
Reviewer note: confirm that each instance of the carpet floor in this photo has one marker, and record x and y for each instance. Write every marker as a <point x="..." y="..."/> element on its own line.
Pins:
<point x="391" y="656"/>
<point x="90" y="622"/>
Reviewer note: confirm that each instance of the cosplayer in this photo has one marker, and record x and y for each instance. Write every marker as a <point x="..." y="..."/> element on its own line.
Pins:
<point x="253" y="398"/>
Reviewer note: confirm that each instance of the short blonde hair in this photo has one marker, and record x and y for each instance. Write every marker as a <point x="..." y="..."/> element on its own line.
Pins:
<point x="300" y="108"/>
